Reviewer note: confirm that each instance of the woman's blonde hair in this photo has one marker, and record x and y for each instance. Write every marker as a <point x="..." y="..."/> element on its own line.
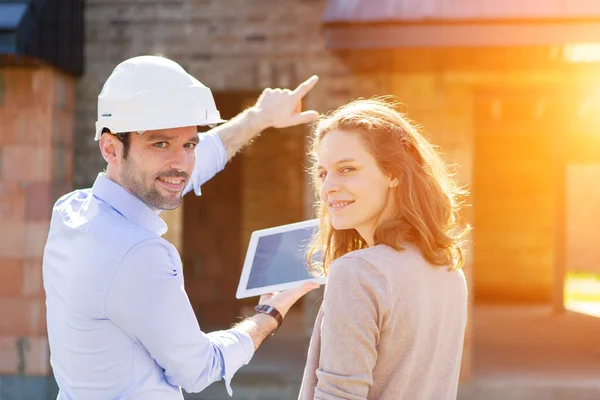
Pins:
<point x="428" y="198"/>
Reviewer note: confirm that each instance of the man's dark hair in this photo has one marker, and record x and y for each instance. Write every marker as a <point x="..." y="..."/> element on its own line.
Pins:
<point x="123" y="138"/>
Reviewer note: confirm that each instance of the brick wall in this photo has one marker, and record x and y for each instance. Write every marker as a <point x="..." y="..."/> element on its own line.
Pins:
<point x="236" y="45"/>
<point x="229" y="45"/>
<point x="36" y="110"/>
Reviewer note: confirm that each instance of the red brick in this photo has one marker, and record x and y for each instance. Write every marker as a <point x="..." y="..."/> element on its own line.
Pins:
<point x="21" y="316"/>
<point x="68" y="163"/>
<point x="26" y="125"/>
<point x="24" y="163"/>
<point x="12" y="200"/>
<point x="27" y="355"/>
<point x="12" y="238"/>
<point x="38" y="206"/>
<point x="29" y="86"/>
<point x="43" y="327"/>
<point x="64" y="91"/>
<point x="37" y="356"/>
<point x="11" y="278"/>
<point x="44" y="86"/>
<point x="12" y="122"/>
<point x="36" y="236"/>
<point x="19" y="89"/>
<point x="37" y="130"/>
<point x="32" y="284"/>
<point x="62" y="127"/>
<point x="9" y="359"/>
<point x="20" y="239"/>
<point x="62" y="164"/>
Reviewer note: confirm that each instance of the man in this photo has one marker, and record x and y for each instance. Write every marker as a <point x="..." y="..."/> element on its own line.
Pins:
<point x="120" y="325"/>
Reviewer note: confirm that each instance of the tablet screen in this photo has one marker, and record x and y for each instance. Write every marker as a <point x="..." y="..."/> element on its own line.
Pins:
<point x="276" y="259"/>
<point x="280" y="258"/>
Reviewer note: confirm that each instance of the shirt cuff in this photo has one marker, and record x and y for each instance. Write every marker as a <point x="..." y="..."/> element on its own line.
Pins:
<point x="236" y="349"/>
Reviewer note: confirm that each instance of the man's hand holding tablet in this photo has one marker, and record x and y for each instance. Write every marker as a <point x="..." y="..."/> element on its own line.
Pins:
<point x="276" y="269"/>
<point x="281" y="302"/>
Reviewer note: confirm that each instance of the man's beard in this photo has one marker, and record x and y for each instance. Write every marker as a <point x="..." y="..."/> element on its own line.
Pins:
<point x="144" y="186"/>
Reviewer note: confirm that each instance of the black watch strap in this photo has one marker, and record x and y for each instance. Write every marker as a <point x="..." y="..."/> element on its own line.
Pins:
<point x="272" y="311"/>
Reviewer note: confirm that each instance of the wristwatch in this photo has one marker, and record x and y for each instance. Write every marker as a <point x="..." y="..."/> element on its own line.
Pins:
<point x="272" y="311"/>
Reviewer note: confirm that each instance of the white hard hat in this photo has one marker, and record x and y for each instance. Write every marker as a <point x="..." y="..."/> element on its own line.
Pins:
<point x="150" y="92"/>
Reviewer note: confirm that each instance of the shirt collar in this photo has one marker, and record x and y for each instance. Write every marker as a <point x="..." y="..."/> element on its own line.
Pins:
<point x="128" y="205"/>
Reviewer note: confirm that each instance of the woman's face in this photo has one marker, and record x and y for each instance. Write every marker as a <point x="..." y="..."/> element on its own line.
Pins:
<point x="354" y="189"/>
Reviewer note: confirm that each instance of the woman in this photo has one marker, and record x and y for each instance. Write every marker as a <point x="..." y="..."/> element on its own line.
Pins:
<point x="392" y="322"/>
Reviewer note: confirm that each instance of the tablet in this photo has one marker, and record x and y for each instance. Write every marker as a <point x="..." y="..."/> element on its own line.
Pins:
<point x="276" y="259"/>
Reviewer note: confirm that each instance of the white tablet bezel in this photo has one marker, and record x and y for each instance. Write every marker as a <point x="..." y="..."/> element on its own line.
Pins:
<point x="242" y="292"/>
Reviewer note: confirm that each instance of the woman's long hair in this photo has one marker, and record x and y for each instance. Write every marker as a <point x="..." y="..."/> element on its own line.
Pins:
<point x="428" y="198"/>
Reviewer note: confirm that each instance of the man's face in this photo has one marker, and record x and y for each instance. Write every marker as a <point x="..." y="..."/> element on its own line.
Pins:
<point x="159" y="166"/>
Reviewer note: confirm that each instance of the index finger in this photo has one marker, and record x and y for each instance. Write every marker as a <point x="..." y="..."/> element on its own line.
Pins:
<point x="305" y="87"/>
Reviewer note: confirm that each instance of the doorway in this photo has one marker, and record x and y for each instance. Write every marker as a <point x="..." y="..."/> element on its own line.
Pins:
<point x="212" y="229"/>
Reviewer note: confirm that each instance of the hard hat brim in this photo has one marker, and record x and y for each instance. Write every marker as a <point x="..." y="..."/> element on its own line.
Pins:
<point x="122" y="125"/>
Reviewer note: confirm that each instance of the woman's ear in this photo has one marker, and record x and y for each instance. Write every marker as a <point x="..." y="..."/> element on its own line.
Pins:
<point x="394" y="183"/>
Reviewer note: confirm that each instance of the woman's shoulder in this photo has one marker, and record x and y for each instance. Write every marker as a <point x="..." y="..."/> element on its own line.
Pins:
<point x="381" y="263"/>
<point x="355" y="273"/>
<point x="370" y="262"/>
<point x="381" y="255"/>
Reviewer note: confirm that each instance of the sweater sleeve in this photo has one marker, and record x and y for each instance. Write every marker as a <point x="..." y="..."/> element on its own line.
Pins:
<point x="355" y="307"/>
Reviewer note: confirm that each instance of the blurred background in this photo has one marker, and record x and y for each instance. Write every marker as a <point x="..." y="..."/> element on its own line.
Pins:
<point x="510" y="90"/>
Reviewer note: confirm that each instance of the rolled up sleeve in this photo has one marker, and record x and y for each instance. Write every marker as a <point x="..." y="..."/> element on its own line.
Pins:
<point x="228" y="343"/>
<point x="211" y="158"/>
<point x="147" y="301"/>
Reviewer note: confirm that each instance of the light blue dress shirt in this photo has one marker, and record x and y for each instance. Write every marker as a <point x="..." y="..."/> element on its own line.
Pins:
<point x="120" y="325"/>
